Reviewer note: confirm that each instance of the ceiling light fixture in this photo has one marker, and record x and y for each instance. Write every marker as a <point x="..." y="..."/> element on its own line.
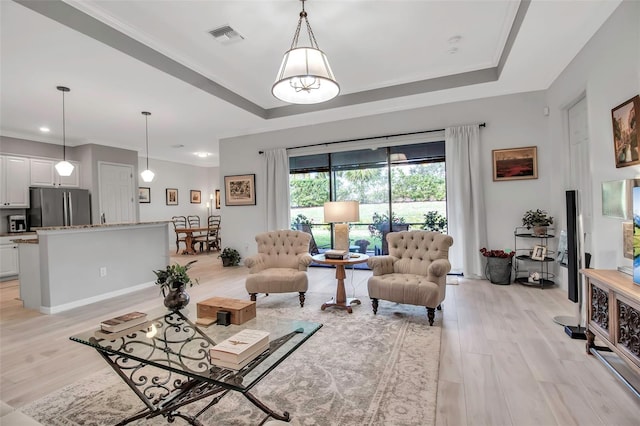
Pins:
<point x="305" y="76"/>
<point x="45" y="129"/>
<point x="64" y="168"/>
<point x="202" y="154"/>
<point x="147" y="175"/>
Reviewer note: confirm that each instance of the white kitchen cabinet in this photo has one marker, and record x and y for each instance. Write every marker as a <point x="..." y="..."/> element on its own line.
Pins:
<point x="14" y="185"/>
<point x="43" y="173"/>
<point x="9" y="265"/>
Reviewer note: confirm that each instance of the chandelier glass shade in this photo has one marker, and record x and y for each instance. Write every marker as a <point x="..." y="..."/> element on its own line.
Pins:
<point x="147" y="175"/>
<point x="305" y="76"/>
<point x="64" y="168"/>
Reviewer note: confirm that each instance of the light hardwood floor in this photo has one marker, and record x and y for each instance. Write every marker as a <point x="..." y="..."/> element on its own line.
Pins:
<point x="503" y="360"/>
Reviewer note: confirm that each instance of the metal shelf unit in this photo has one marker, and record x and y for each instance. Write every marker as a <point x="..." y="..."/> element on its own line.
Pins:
<point x="524" y="264"/>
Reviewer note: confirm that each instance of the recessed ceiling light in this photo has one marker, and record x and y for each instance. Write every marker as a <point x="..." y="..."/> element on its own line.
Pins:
<point x="202" y="154"/>
<point x="453" y="50"/>
<point x="455" y="39"/>
<point x="45" y="129"/>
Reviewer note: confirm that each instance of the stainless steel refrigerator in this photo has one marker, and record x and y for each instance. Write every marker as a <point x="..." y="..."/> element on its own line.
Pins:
<point x="59" y="207"/>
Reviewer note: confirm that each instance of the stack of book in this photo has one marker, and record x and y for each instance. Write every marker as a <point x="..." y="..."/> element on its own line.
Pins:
<point x="122" y="325"/>
<point x="336" y="254"/>
<point x="240" y="349"/>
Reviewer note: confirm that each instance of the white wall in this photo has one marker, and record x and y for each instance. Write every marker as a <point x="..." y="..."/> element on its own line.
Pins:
<point x="183" y="177"/>
<point x="607" y="70"/>
<point x="512" y="121"/>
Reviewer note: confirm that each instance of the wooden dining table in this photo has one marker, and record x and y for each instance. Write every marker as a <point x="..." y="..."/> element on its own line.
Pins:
<point x="189" y="237"/>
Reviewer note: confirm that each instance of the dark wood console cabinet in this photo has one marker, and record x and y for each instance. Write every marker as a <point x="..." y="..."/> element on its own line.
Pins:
<point x="613" y="315"/>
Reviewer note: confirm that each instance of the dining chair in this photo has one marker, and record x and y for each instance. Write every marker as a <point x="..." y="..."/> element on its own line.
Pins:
<point x="213" y="240"/>
<point x="179" y="222"/>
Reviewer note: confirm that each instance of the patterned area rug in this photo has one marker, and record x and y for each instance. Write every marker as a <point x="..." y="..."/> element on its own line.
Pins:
<point x="358" y="369"/>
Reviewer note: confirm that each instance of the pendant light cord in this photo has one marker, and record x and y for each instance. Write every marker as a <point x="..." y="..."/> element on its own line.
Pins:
<point x="64" y="133"/>
<point x="146" y="128"/>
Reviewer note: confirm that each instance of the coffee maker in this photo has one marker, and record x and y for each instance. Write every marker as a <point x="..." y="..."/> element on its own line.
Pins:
<point x="17" y="223"/>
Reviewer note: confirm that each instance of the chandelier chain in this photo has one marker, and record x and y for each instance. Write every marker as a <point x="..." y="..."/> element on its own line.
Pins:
<point x="296" y="35"/>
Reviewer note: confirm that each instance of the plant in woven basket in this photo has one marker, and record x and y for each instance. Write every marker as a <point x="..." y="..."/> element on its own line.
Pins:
<point x="497" y="253"/>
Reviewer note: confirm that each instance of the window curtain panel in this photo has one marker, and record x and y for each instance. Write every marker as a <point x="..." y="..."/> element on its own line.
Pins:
<point x="465" y="199"/>
<point x="277" y="189"/>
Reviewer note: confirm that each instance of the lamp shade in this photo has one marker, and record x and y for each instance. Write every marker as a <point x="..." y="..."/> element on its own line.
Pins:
<point x="305" y="77"/>
<point x="64" y="168"/>
<point x="341" y="211"/>
<point x="147" y="175"/>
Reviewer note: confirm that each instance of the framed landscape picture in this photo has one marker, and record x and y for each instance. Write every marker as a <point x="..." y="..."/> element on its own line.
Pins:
<point x="626" y="142"/>
<point x="172" y="196"/>
<point x="144" y="195"/>
<point x="195" y="196"/>
<point x="240" y="190"/>
<point x="515" y="163"/>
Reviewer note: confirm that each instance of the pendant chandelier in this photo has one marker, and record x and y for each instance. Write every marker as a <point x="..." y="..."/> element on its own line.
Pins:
<point x="305" y="76"/>
<point x="147" y="175"/>
<point x="64" y="168"/>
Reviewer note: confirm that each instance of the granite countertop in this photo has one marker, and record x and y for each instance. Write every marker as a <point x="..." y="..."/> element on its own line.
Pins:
<point x="103" y="225"/>
<point x="25" y="241"/>
<point x="16" y="234"/>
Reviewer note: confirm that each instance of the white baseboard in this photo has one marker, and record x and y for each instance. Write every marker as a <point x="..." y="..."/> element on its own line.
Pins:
<point x="65" y="307"/>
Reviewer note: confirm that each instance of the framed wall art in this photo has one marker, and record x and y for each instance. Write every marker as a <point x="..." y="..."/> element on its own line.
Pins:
<point x="515" y="163"/>
<point x="195" y="196"/>
<point x="626" y="142"/>
<point x="172" y="196"/>
<point x="240" y="190"/>
<point x="218" y="199"/>
<point x="144" y="195"/>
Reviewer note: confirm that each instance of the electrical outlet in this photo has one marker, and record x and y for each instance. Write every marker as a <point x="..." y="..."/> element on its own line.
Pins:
<point x="103" y="271"/>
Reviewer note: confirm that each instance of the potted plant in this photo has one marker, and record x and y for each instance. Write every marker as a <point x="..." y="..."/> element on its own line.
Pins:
<point x="297" y="224"/>
<point x="498" y="269"/>
<point x="434" y="221"/>
<point x="538" y="220"/>
<point x="362" y="245"/>
<point x="230" y="257"/>
<point x="172" y="281"/>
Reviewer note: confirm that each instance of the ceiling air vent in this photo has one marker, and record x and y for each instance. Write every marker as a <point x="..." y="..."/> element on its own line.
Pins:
<point x="226" y="35"/>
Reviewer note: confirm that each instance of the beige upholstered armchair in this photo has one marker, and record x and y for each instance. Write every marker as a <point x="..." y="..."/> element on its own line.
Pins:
<point x="280" y="265"/>
<point x="414" y="272"/>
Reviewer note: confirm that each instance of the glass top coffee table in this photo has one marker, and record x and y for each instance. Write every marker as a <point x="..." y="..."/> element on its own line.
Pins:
<point x="168" y="365"/>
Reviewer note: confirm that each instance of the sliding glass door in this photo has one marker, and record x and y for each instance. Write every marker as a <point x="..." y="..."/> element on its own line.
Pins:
<point x="399" y="188"/>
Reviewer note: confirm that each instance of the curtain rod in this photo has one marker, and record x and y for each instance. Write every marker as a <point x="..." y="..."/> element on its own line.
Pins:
<point x="370" y="138"/>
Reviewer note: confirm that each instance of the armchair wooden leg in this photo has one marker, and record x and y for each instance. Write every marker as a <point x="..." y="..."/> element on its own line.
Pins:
<point x="431" y="314"/>
<point x="302" y="299"/>
<point x="253" y="296"/>
<point x="374" y="303"/>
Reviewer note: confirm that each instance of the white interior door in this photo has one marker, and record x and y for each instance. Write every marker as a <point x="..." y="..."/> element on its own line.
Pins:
<point x="117" y="201"/>
<point x="580" y="166"/>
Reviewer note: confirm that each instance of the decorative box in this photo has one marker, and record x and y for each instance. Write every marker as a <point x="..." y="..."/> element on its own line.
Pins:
<point x="241" y="311"/>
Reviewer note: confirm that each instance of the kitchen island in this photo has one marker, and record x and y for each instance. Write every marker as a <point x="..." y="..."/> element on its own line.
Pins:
<point x="71" y="266"/>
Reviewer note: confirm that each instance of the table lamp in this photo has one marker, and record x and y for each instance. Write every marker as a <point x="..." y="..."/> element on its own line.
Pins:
<point x="339" y="213"/>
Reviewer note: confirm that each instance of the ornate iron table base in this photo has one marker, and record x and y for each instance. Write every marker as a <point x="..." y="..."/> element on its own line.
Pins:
<point x="166" y="389"/>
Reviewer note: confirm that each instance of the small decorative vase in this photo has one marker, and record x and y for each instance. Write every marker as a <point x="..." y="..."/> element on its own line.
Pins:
<point x="226" y="261"/>
<point x="176" y="299"/>
<point x="539" y="230"/>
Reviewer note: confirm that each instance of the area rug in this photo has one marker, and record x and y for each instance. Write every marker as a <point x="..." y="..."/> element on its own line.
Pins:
<point x="358" y="369"/>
